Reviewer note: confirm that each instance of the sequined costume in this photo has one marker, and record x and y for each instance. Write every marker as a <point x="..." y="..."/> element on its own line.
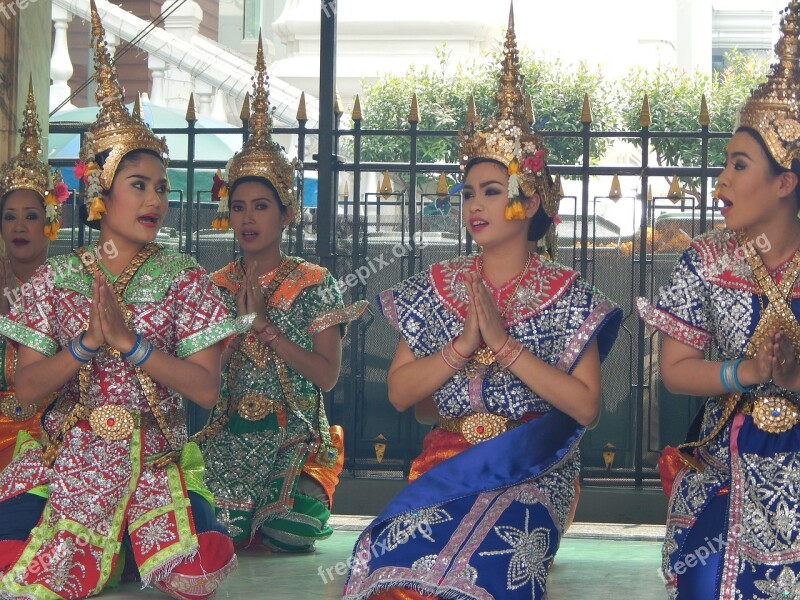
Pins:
<point x="732" y="527"/>
<point x="254" y="463"/>
<point x="13" y="418"/>
<point x="484" y="521"/>
<point x="103" y="489"/>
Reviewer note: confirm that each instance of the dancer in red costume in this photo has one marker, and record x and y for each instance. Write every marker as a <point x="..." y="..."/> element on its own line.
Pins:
<point x="121" y="331"/>
<point x="30" y="212"/>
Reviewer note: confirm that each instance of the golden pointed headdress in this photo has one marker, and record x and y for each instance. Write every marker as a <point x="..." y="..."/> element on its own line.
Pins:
<point x="773" y="109"/>
<point x="115" y="132"/>
<point x="508" y="137"/>
<point x="261" y="156"/>
<point x="27" y="171"/>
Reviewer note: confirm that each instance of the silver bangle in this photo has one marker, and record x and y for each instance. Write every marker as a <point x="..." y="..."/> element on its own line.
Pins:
<point x="141" y="353"/>
<point x="79" y="351"/>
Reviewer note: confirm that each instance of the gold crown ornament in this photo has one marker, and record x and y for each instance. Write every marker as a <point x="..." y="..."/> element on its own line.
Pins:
<point x="774" y="107"/>
<point x="260" y="156"/>
<point x="509" y="140"/>
<point x="27" y="171"/>
<point x="114" y="133"/>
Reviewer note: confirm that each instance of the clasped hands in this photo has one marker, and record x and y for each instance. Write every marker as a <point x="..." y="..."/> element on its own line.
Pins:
<point x="484" y="322"/>
<point x="250" y="299"/>
<point x="106" y="321"/>
<point x="775" y="361"/>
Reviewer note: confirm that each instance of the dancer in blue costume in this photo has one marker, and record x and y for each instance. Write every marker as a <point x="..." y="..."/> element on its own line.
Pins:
<point x="733" y="530"/>
<point x="509" y="345"/>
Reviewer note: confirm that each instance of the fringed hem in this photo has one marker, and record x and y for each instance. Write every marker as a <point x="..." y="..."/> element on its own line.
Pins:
<point x="414" y="586"/>
<point x="194" y="587"/>
<point x="8" y="596"/>
<point x="165" y="569"/>
<point x="257" y="523"/>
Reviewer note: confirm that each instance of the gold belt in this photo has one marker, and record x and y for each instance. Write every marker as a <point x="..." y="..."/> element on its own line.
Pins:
<point x="478" y="427"/>
<point x="112" y="422"/>
<point x="773" y="414"/>
<point x="254" y="407"/>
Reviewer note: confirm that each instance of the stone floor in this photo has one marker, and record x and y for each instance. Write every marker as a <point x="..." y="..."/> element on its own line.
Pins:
<point x="595" y="561"/>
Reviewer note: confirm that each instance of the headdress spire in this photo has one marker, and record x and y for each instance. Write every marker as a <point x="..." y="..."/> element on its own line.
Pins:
<point x="27" y="171"/>
<point x="260" y="119"/>
<point x="773" y="109"/>
<point x="261" y="156"/>
<point x="115" y="132"/>
<point x="509" y="140"/>
<point x="509" y="97"/>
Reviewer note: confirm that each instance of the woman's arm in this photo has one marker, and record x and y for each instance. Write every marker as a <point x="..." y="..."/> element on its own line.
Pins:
<point x="686" y="371"/>
<point x="31" y="385"/>
<point x="196" y="377"/>
<point x="411" y="380"/>
<point x="576" y="394"/>
<point x="320" y="366"/>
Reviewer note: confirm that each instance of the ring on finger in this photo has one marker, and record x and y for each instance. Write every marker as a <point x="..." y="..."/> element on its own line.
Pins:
<point x="783" y="362"/>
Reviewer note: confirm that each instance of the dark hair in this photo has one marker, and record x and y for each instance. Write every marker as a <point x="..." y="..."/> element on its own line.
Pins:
<point x="540" y="222"/>
<point x="774" y="168"/>
<point x="262" y="181"/>
<point x="132" y="157"/>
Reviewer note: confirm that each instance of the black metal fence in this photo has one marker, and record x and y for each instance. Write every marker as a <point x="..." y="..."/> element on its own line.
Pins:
<point x="377" y="239"/>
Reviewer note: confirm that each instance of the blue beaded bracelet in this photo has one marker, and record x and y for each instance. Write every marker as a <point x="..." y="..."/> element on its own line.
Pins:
<point x="77" y="354"/>
<point x="723" y="376"/>
<point x="729" y="376"/>
<point x="131" y="352"/>
<point x="736" y="381"/>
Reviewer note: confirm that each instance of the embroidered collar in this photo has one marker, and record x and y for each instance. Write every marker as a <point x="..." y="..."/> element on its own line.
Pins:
<point x="304" y="275"/>
<point x="543" y="283"/>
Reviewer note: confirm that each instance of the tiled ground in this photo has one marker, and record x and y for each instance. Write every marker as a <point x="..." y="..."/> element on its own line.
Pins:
<point x="595" y="561"/>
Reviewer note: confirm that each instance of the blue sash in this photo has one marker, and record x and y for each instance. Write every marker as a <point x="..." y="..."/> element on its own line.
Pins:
<point x="524" y="453"/>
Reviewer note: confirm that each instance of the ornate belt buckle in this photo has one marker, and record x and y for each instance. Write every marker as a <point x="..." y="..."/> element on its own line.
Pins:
<point x="14" y="410"/>
<point x="112" y="422"/>
<point x="254" y="407"/>
<point x="774" y="414"/>
<point x="484" y="356"/>
<point x="479" y="427"/>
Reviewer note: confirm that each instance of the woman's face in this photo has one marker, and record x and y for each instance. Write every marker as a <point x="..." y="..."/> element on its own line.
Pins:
<point x="256" y="217"/>
<point x="137" y="202"/>
<point x="749" y="191"/>
<point x="23" y="226"/>
<point x="485" y="195"/>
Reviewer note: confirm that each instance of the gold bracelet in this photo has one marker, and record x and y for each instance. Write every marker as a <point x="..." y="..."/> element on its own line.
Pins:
<point x="511" y="354"/>
<point x="452" y="357"/>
